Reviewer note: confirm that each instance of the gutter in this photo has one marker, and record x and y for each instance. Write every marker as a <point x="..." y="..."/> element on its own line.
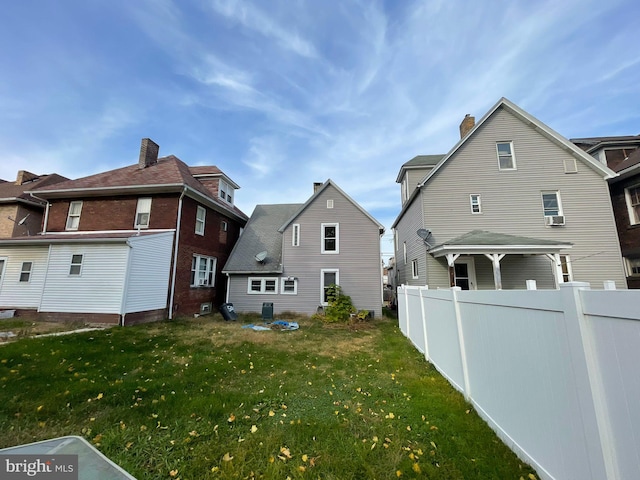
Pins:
<point x="175" y="254"/>
<point x="46" y="212"/>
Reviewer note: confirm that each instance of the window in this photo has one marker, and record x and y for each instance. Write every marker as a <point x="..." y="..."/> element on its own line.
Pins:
<point x="476" y="205"/>
<point x="404" y="189"/>
<point x="73" y="218"/>
<point x="551" y="204"/>
<point x="142" y="213"/>
<point x="506" y="159"/>
<point x="564" y="269"/>
<point x="25" y="271"/>
<point x="3" y="261"/>
<point x="203" y="271"/>
<point x="201" y="215"/>
<point x="225" y="191"/>
<point x="289" y="286"/>
<point x="76" y="265"/>
<point x="329" y="203"/>
<point x="633" y="267"/>
<point x="295" y="235"/>
<point x="414" y="268"/>
<point x="632" y="195"/>
<point x="262" y="285"/>
<point x="404" y="252"/>
<point x="327" y="278"/>
<point x="224" y="226"/>
<point x="330" y="238"/>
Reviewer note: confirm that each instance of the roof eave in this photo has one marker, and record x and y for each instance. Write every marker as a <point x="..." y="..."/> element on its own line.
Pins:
<point x="442" y="250"/>
<point x="105" y="191"/>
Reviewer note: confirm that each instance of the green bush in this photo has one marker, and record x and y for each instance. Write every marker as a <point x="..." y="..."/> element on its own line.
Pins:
<point x="340" y="305"/>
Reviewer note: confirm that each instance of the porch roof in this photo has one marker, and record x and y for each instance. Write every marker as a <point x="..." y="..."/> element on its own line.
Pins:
<point x="478" y="242"/>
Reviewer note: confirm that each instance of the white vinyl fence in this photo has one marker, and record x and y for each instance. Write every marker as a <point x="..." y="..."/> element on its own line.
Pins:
<point x="556" y="373"/>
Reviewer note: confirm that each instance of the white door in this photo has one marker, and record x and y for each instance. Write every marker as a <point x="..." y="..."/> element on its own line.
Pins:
<point x="465" y="273"/>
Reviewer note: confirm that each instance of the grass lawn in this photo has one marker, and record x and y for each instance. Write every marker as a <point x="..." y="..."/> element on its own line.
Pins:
<point x="203" y="398"/>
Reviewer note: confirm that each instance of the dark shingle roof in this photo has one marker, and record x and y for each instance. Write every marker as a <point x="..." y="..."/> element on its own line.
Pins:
<point x="423" y="161"/>
<point x="483" y="237"/>
<point x="261" y="234"/>
<point x="10" y="192"/>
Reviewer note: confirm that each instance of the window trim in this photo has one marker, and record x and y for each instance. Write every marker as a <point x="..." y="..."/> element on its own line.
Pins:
<point x="558" y="199"/>
<point x="415" y="273"/>
<point x="634" y="216"/>
<point x="76" y="264"/>
<point x="323" y="250"/>
<point x="225" y="192"/>
<point x="210" y="271"/>
<point x="139" y="211"/>
<point x="200" y="222"/>
<point x="283" y="280"/>
<point x="3" y="267"/>
<point x="295" y="235"/>
<point x="330" y="203"/>
<point x="404" y="252"/>
<point x="477" y="203"/>
<point x="224" y="226"/>
<point x="323" y="286"/>
<point x="70" y="215"/>
<point x="512" y="155"/>
<point x="565" y="260"/>
<point x="27" y="272"/>
<point x="263" y="285"/>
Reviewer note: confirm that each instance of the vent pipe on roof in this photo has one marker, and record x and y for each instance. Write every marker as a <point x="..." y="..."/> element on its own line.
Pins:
<point x="148" y="153"/>
<point x="468" y="122"/>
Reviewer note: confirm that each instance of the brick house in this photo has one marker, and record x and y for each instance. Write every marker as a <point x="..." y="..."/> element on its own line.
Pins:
<point x="622" y="155"/>
<point x="139" y="243"/>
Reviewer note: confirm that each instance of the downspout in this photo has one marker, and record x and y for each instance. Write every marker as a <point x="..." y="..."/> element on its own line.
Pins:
<point x="226" y="295"/>
<point x="46" y="213"/>
<point x="175" y="254"/>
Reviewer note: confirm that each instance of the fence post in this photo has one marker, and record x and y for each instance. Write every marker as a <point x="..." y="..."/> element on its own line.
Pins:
<point x="424" y="322"/>
<point x="590" y="390"/>
<point x="463" y="351"/>
<point x="406" y="310"/>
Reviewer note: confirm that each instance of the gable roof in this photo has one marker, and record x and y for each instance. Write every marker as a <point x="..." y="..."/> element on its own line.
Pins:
<point x="169" y="174"/>
<point x="317" y="193"/>
<point x="528" y="119"/>
<point x="11" y="192"/>
<point x="261" y="234"/>
<point x="591" y="144"/>
<point x="419" y="162"/>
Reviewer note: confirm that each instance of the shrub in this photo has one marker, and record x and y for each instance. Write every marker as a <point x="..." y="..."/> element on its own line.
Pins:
<point x="340" y="306"/>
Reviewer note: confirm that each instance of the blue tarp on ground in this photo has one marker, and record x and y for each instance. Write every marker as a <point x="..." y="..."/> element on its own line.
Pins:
<point x="276" y="325"/>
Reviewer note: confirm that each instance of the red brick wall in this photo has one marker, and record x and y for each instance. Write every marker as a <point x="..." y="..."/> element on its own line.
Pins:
<point x="629" y="235"/>
<point x="114" y="213"/>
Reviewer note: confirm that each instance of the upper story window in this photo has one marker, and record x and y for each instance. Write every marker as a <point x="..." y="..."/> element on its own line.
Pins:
<point x="143" y="211"/>
<point x="295" y="235"/>
<point x="330" y="238"/>
<point x="476" y="203"/>
<point x="73" y="217"/>
<point x="330" y="203"/>
<point x="633" y="267"/>
<point x="404" y="252"/>
<point x="551" y="204"/>
<point x="203" y="271"/>
<point x="414" y="268"/>
<point x="404" y="189"/>
<point x="224" y="226"/>
<point x="506" y="157"/>
<point x="632" y="195"/>
<point x="565" y="273"/>
<point x="225" y="191"/>
<point x="25" y="271"/>
<point x="76" y="264"/>
<point x="201" y="215"/>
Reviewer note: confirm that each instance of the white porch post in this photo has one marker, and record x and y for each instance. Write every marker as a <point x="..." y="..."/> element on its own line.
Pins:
<point x="495" y="260"/>
<point x="555" y="260"/>
<point x="451" y="260"/>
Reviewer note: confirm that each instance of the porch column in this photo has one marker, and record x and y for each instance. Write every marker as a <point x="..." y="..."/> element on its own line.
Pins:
<point x="555" y="263"/>
<point x="451" y="259"/>
<point x="495" y="260"/>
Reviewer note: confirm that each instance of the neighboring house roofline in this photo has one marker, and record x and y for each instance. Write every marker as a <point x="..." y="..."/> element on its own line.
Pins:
<point x="21" y="200"/>
<point x="220" y="176"/>
<point x="89" y="237"/>
<point x="324" y="186"/>
<point x="419" y="162"/>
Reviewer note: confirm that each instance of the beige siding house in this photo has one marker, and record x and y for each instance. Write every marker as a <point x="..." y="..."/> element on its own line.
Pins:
<point x="289" y="253"/>
<point x="512" y="201"/>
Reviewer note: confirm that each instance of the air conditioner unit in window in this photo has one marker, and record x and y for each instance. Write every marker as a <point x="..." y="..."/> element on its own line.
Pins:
<point x="554" y="220"/>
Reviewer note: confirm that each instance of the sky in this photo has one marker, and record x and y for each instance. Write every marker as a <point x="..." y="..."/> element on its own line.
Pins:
<point x="283" y="93"/>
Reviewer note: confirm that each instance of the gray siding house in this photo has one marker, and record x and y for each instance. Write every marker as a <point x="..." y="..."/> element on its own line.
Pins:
<point x="289" y="253"/>
<point x="512" y="201"/>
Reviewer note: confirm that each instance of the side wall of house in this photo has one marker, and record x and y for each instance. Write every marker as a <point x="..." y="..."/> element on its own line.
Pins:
<point x="512" y="199"/>
<point x="27" y="294"/>
<point x="405" y="233"/>
<point x="628" y="234"/>
<point x="99" y="287"/>
<point x="18" y="211"/>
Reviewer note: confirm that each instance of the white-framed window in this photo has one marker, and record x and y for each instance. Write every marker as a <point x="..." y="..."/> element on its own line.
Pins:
<point x="330" y="237"/>
<point x="3" y="262"/>
<point x="506" y="157"/>
<point x="328" y="277"/>
<point x="224" y="226"/>
<point x="143" y="212"/>
<point x="476" y="203"/>
<point x="414" y="268"/>
<point x="75" y="268"/>
<point x="73" y="217"/>
<point x="632" y="195"/>
<point x="633" y="266"/>
<point x="565" y="274"/>
<point x="405" y="189"/>
<point x="288" y="286"/>
<point x="225" y="191"/>
<point x="201" y="217"/>
<point x="295" y="235"/>
<point x="404" y="252"/>
<point x="551" y="204"/>
<point x="330" y="203"/>
<point x="264" y="285"/>
<point x="203" y="271"/>
<point x="25" y="271"/>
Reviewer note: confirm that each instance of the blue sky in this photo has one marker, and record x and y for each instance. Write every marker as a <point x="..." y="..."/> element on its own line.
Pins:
<point x="280" y="94"/>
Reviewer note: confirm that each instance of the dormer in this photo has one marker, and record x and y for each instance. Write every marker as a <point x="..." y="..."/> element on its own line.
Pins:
<point x="216" y="181"/>
<point x="413" y="171"/>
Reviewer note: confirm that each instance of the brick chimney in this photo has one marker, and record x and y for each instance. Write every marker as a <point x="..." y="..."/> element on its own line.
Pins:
<point x="316" y="186"/>
<point x="148" y="153"/>
<point x="24" y="176"/>
<point x="467" y="124"/>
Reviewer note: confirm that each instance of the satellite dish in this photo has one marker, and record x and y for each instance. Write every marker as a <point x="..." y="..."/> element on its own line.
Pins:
<point x="424" y="234"/>
<point x="260" y="257"/>
<point x="21" y="222"/>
